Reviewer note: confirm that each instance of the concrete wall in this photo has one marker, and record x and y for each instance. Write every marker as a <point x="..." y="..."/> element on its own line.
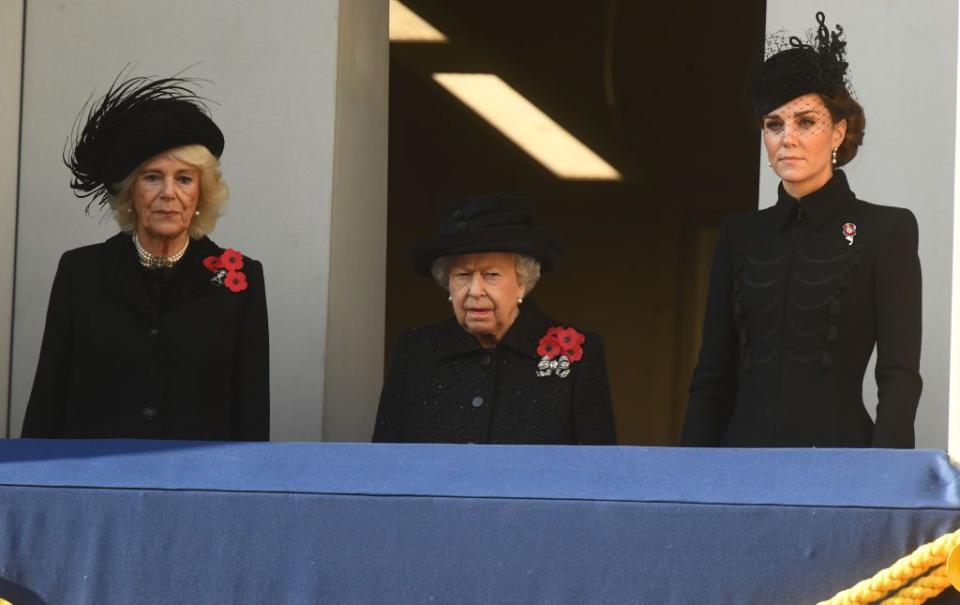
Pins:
<point x="275" y="71"/>
<point x="11" y="46"/>
<point x="903" y="66"/>
<point x="355" y="312"/>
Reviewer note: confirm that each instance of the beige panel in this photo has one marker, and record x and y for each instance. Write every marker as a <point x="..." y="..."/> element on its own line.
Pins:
<point x="355" y="312"/>
<point x="11" y="47"/>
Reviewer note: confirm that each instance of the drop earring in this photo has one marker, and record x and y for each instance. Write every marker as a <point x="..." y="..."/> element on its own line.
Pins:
<point x="834" y="160"/>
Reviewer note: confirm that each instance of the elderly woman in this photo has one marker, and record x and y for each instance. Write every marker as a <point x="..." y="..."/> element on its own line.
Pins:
<point x="499" y="370"/>
<point x="157" y="332"/>
<point x="802" y="291"/>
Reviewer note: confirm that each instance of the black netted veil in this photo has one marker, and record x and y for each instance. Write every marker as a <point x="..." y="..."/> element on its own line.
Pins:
<point x="791" y="68"/>
<point x="135" y="120"/>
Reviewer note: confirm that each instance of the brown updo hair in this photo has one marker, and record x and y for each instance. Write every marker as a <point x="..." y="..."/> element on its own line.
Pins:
<point x="843" y="106"/>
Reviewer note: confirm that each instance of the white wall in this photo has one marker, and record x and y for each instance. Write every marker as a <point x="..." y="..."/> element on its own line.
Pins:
<point x="274" y="69"/>
<point x="11" y="44"/>
<point x="355" y="315"/>
<point x="903" y="66"/>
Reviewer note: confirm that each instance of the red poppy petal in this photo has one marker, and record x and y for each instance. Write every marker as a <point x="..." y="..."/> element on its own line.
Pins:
<point x="235" y="281"/>
<point x="212" y="263"/>
<point x="232" y="259"/>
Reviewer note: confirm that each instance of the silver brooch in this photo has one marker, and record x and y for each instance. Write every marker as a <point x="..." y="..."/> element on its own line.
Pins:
<point x="559" y="367"/>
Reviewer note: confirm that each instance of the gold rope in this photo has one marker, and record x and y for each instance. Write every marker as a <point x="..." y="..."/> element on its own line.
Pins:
<point x="919" y="562"/>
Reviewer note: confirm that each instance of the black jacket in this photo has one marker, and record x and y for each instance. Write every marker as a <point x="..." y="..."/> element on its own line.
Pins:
<point x="444" y="387"/>
<point x="793" y="314"/>
<point x="127" y="355"/>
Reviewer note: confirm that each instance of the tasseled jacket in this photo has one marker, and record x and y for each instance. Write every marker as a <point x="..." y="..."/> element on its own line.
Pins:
<point x="799" y="295"/>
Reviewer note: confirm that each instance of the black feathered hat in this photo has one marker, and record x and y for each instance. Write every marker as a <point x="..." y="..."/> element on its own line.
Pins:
<point x="488" y="223"/>
<point x="135" y="120"/>
<point x="799" y="69"/>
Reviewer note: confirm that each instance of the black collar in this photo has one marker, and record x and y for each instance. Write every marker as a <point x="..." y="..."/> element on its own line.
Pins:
<point x="121" y="274"/>
<point x="523" y="336"/>
<point x="817" y="207"/>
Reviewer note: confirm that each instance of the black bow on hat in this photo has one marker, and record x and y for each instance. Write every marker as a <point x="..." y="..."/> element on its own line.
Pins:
<point x="800" y="69"/>
<point x="498" y="222"/>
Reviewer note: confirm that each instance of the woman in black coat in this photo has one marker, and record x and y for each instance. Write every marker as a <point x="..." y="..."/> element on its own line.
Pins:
<point x="500" y="370"/>
<point x="158" y="332"/>
<point x="802" y="291"/>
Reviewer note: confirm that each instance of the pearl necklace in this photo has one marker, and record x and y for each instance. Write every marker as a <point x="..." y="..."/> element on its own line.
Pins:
<point x="152" y="261"/>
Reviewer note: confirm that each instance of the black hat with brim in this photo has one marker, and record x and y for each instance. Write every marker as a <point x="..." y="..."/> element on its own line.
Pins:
<point x="488" y="223"/>
<point x="135" y="120"/>
<point x="155" y="128"/>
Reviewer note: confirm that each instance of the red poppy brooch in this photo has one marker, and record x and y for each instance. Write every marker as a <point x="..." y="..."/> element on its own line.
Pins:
<point x="558" y="350"/>
<point x="226" y="270"/>
<point x="849" y="232"/>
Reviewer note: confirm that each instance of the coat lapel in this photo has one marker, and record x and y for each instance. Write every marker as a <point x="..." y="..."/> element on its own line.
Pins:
<point x="194" y="278"/>
<point x="121" y="276"/>
<point x="527" y="330"/>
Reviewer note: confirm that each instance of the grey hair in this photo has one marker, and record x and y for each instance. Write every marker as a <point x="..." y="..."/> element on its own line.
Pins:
<point x="213" y="192"/>
<point x="528" y="272"/>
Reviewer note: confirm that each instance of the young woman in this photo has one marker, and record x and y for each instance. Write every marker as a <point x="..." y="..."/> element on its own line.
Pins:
<point x="802" y="291"/>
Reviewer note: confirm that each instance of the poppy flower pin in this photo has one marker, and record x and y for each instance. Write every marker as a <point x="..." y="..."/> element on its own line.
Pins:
<point x="226" y="270"/>
<point x="849" y="232"/>
<point x="558" y="349"/>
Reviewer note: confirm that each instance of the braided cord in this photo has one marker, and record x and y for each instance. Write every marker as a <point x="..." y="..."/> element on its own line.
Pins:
<point x="897" y="576"/>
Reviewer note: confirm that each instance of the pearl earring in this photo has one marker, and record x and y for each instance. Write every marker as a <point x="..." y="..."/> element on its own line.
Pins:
<point x="520" y="301"/>
<point x="769" y="165"/>
<point x="196" y="213"/>
<point x="129" y="210"/>
<point x="835" y="156"/>
<point x="450" y="298"/>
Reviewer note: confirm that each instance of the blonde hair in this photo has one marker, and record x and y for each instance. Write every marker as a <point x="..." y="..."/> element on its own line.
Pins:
<point x="213" y="192"/>
<point x="528" y="272"/>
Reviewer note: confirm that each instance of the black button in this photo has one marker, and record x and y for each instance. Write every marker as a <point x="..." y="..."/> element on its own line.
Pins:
<point x="457" y="214"/>
<point x="153" y="371"/>
<point x="485" y="360"/>
<point x="149" y="413"/>
<point x="477" y="401"/>
<point x="153" y="333"/>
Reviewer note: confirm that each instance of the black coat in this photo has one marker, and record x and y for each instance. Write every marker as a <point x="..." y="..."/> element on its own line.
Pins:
<point x="127" y="355"/>
<point x="443" y="386"/>
<point x="793" y="314"/>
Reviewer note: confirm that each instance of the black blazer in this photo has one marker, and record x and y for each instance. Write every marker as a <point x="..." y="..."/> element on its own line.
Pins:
<point x="793" y="314"/>
<point x="444" y="387"/>
<point x="122" y="357"/>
